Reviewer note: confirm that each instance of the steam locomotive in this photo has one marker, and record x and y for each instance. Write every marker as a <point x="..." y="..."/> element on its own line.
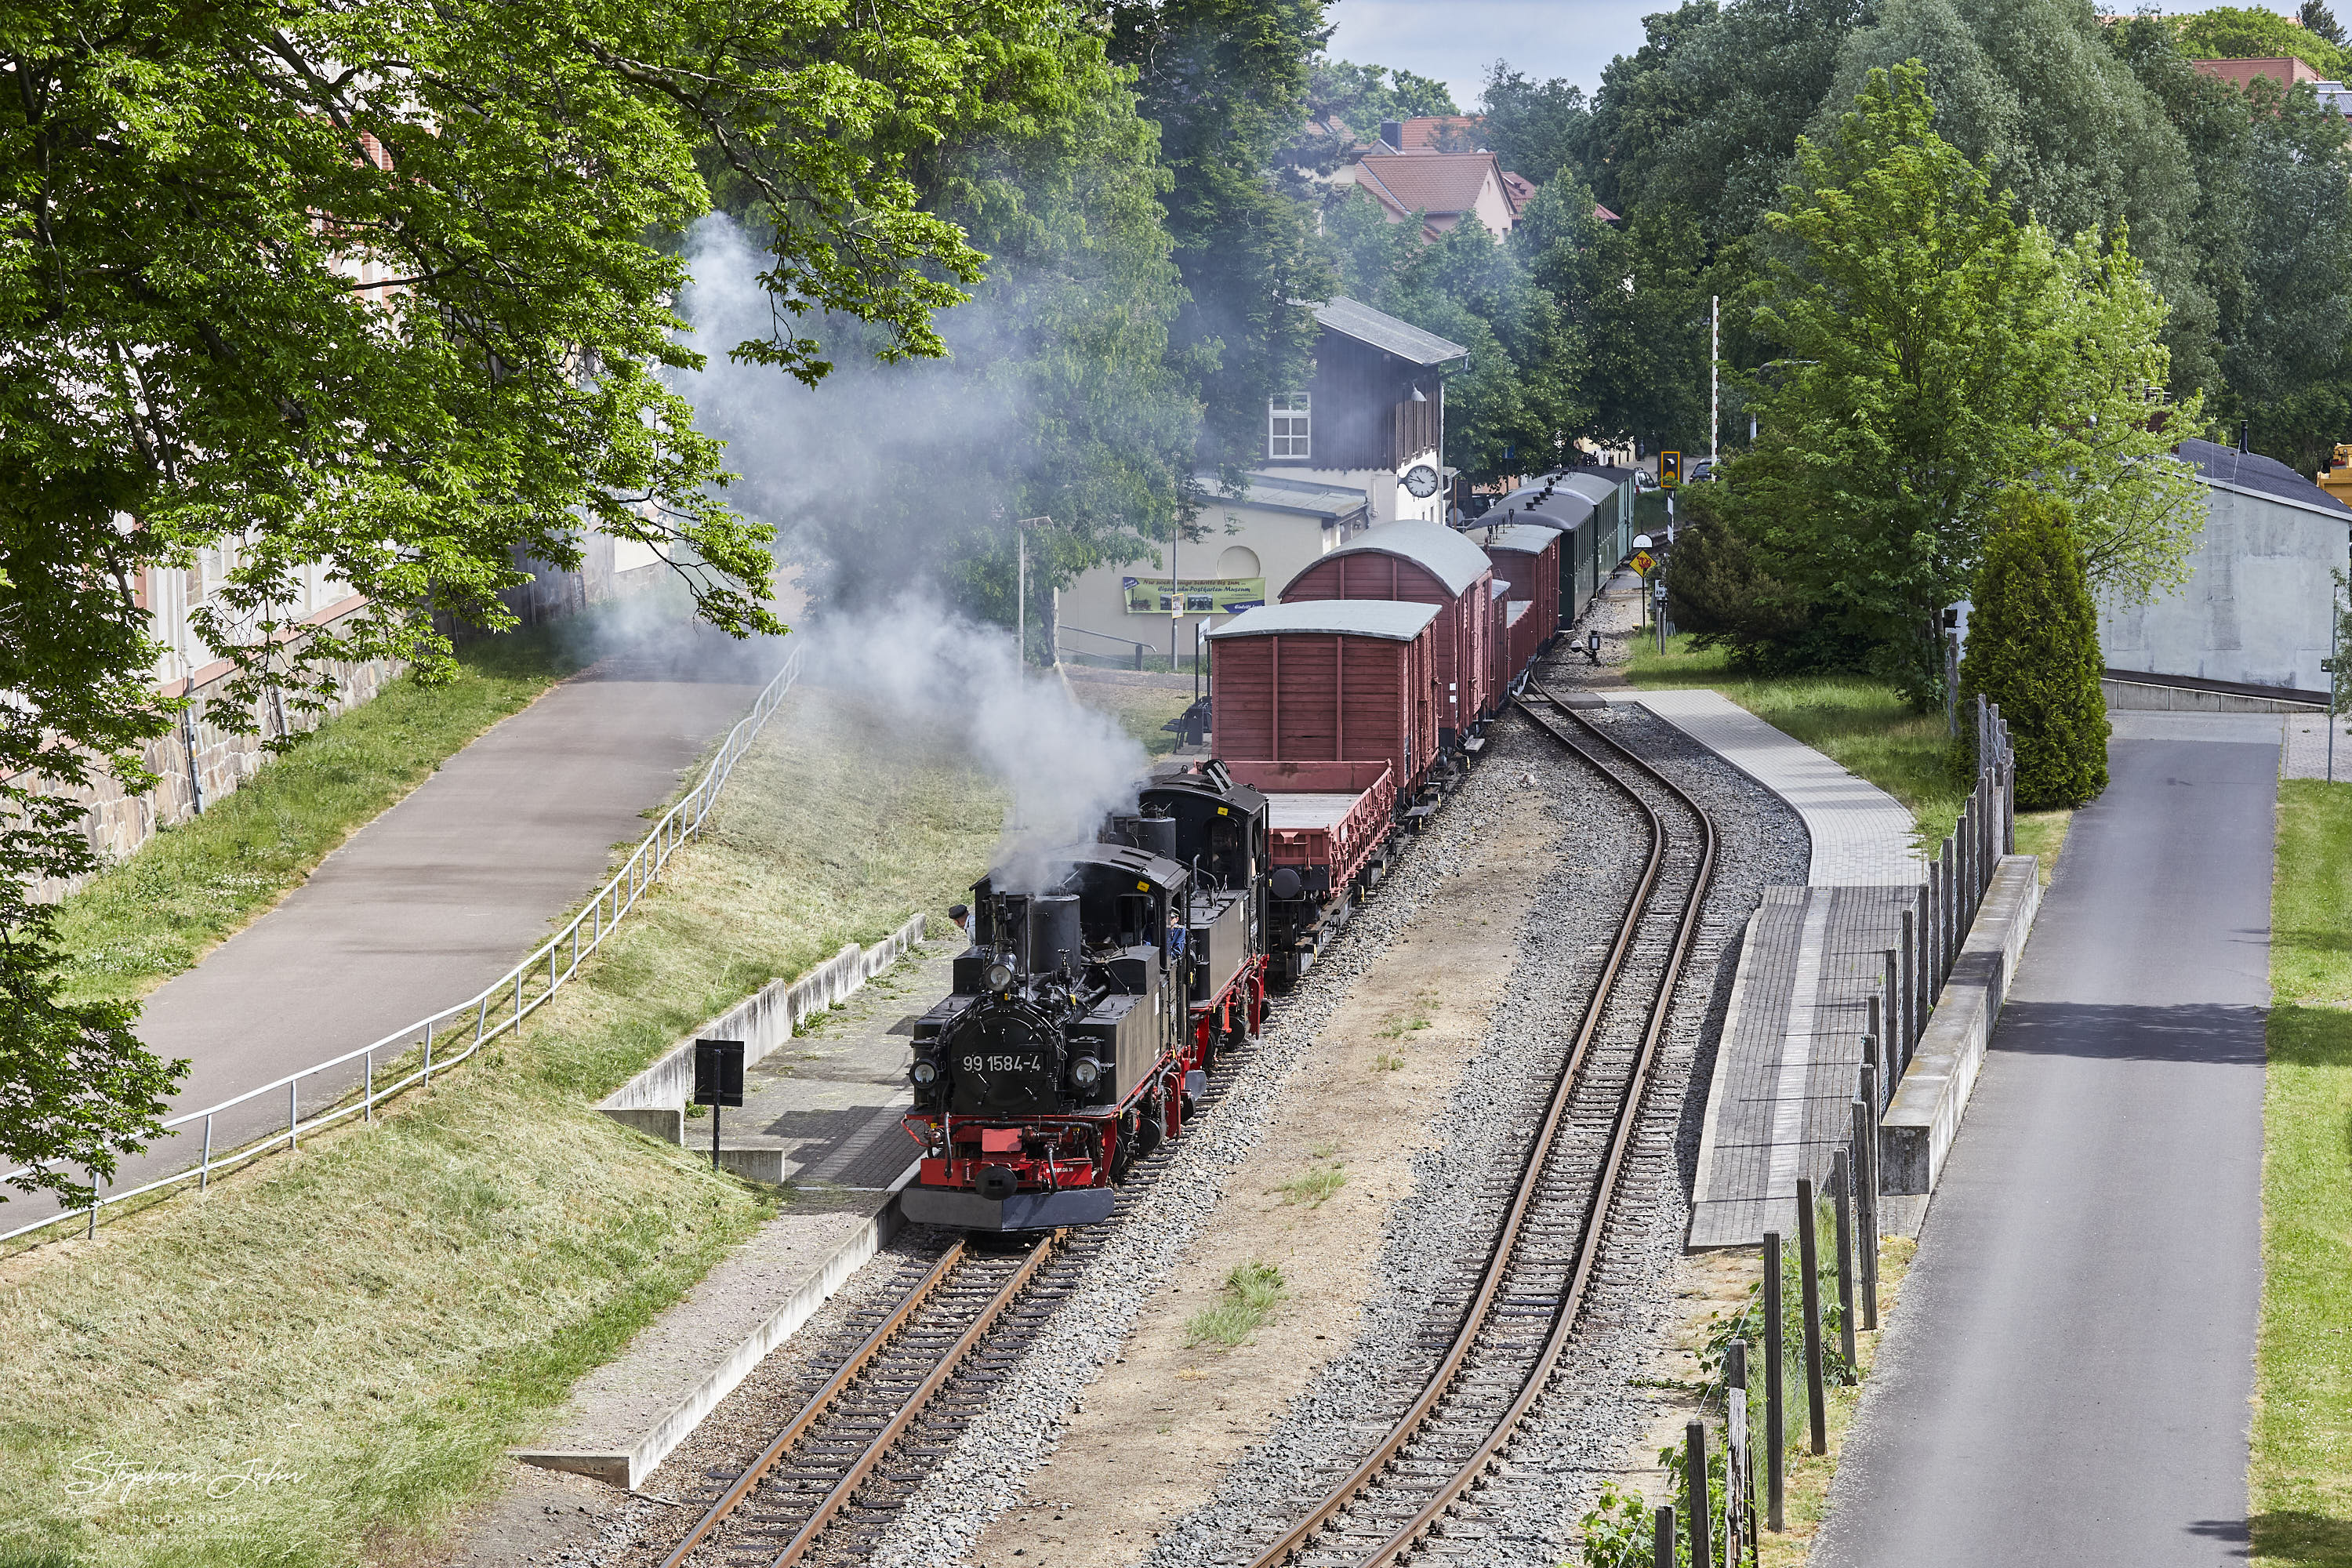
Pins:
<point x="1088" y="1010"/>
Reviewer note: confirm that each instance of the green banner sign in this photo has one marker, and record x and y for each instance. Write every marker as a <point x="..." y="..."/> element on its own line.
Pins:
<point x="1212" y="595"/>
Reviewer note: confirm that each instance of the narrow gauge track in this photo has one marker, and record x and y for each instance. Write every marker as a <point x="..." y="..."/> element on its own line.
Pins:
<point x="901" y="1386"/>
<point x="1508" y="1343"/>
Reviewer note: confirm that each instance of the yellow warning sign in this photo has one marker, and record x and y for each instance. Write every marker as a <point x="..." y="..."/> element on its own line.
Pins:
<point x="1641" y="561"/>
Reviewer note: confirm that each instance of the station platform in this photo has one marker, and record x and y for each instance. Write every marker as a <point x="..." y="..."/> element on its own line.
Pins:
<point x="1790" y="1062"/>
<point x="822" y="1109"/>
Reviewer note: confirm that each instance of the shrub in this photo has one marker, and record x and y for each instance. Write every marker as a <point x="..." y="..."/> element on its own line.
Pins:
<point x="1719" y="589"/>
<point x="2034" y="648"/>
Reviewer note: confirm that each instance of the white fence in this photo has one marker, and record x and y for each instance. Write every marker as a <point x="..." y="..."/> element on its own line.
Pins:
<point x="406" y="1057"/>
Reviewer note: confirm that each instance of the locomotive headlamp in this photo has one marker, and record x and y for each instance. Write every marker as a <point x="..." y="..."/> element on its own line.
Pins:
<point x="999" y="975"/>
<point x="1086" y="1072"/>
<point x="927" y="1072"/>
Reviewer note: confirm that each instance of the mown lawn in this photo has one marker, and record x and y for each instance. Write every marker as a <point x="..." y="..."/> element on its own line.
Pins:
<point x="2300" y="1484"/>
<point x="1860" y="723"/>
<point x="322" y="1360"/>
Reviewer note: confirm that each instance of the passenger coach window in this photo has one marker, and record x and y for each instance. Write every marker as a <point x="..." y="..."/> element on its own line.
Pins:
<point x="1287" y="427"/>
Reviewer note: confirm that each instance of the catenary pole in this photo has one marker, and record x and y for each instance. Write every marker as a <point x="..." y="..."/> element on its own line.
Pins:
<point x="1714" y="376"/>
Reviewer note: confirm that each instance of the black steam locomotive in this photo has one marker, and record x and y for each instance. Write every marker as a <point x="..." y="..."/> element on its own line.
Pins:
<point x="1088" y="1011"/>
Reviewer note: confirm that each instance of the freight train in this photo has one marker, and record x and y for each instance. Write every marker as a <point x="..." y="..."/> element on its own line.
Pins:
<point x="1091" y="1006"/>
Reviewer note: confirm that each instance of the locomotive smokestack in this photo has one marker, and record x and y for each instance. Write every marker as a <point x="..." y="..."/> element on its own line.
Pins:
<point x="1053" y="935"/>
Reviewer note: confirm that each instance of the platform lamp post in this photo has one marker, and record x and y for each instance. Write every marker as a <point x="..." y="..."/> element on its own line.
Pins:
<point x="1021" y="587"/>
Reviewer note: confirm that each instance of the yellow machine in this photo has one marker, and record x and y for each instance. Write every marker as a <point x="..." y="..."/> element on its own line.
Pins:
<point x="2336" y="478"/>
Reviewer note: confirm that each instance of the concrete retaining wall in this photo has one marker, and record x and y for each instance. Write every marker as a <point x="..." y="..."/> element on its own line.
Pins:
<point x="626" y="1464"/>
<point x="2143" y="697"/>
<point x="1916" y="1133"/>
<point x="653" y="1102"/>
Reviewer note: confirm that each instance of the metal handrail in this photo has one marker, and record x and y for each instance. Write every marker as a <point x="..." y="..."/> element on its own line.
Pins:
<point x="518" y="993"/>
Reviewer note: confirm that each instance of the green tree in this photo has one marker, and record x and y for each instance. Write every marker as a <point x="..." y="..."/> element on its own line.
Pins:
<point x="1537" y="128"/>
<point x="2271" y="233"/>
<point x="2033" y="649"/>
<point x="2034" y="91"/>
<point x="1636" y="293"/>
<point x="1934" y="351"/>
<point x="371" y="287"/>
<point x="1226" y="82"/>
<point x="2253" y="32"/>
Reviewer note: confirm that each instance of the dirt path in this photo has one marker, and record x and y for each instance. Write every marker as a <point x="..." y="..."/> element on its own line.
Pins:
<point x="1153" y="1436"/>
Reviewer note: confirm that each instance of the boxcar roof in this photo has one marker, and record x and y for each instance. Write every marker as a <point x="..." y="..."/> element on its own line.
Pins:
<point x="1521" y="536"/>
<point x="1389" y="619"/>
<point x="1444" y="554"/>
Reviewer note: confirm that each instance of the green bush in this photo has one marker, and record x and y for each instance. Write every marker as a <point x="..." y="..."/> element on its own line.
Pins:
<point x="2034" y="648"/>
<point x="1719" y="590"/>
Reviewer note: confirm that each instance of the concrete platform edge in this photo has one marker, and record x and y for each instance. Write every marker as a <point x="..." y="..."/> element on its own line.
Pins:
<point x="654" y="1101"/>
<point x="626" y="1467"/>
<point x="1915" y="1137"/>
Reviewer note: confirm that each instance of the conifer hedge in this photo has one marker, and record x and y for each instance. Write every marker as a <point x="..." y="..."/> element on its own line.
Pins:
<point x="2034" y="648"/>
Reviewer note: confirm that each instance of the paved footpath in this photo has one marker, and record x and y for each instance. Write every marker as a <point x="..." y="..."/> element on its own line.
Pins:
<point x="433" y="901"/>
<point x="2068" y="1379"/>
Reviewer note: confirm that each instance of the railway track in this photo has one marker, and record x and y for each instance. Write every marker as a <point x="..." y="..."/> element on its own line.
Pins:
<point x="1508" y="1341"/>
<point x="899" y="1390"/>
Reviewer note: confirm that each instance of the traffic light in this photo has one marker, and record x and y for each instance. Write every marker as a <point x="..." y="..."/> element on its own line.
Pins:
<point x="1670" y="468"/>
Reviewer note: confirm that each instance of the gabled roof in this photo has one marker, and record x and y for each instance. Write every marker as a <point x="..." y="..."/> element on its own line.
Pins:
<point x="1436" y="549"/>
<point x="1419" y="133"/>
<point x="1527" y="538"/>
<point x="2253" y="472"/>
<point x="1439" y="185"/>
<point x="1392" y="619"/>
<point x="1353" y="319"/>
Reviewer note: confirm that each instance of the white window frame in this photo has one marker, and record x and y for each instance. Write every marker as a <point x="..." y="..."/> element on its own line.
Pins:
<point x="1290" y="426"/>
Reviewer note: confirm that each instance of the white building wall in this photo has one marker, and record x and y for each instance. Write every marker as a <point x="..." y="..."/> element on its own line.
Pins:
<point x="2255" y="608"/>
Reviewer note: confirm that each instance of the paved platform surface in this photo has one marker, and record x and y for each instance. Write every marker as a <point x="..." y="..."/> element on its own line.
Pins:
<point x="1789" y="1063"/>
<point x="436" y="898"/>
<point x="831" y="1098"/>
<point x="2068" y="1379"/>
<point x="1862" y="834"/>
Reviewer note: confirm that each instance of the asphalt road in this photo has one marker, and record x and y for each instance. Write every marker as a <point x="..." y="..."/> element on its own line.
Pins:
<point x="2069" y="1376"/>
<point x="433" y="901"/>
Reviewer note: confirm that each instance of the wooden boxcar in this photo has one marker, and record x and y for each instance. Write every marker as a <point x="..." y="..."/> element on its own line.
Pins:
<point x="1327" y="681"/>
<point x="1422" y="563"/>
<point x="1527" y="558"/>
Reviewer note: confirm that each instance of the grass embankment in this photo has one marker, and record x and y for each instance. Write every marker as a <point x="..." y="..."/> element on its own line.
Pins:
<point x="194" y="885"/>
<point x="1859" y="723"/>
<point x="2300" y="1484"/>
<point x="1142" y="710"/>
<point x="321" y="1360"/>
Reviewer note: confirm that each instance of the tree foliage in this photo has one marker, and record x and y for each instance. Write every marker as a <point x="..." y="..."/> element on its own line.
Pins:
<point x="2033" y="649"/>
<point x="2254" y="33"/>
<point x="1936" y="351"/>
<point x="371" y="287"/>
<point x="1226" y="82"/>
<point x="1537" y="128"/>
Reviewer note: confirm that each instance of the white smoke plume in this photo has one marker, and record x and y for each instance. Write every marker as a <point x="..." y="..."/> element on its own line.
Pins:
<point x="1066" y="766"/>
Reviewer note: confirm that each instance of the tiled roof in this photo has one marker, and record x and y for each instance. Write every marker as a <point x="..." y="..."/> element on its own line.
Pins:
<point x="2253" y="472"/>
<point x="1353" y="319"/>
<point x="1438" y="184"/>
<point x="1419" y="133"/>
<point x="1389" y="619"/>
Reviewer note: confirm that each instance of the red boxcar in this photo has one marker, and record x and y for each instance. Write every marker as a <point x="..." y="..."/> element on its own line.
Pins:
<point x="1526" y="557"/>
<point x="1326" y="681"/>
<point x="1421" y="564"/>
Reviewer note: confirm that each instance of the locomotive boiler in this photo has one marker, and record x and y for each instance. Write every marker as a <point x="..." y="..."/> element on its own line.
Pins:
<point x="1088" y="1011"/>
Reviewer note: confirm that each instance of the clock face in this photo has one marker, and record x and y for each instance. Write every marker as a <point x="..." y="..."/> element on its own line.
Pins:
<point x="1422" y="480"/>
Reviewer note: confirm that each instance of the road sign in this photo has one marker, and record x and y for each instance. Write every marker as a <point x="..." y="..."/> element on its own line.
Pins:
<point x="1642" y="562"/>
<point x="1670" y="468"/>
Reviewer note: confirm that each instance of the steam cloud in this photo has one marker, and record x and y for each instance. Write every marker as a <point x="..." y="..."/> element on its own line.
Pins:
<point x="1066" y="766"/>
<point x="806" y="456"/>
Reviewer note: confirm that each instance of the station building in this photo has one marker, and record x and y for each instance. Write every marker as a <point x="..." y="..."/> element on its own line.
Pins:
<point x="1362" y="443"/>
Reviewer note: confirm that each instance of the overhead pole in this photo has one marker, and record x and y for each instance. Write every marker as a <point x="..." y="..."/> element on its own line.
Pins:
<point x="1714" y="378"/>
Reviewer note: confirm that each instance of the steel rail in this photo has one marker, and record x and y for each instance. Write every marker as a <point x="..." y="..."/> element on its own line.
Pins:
<point x="1476" y="1316"/>
<point x="865" y="1463"/>
<point x="820" y="1402"/>
<point x="1467" y="1477"/>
